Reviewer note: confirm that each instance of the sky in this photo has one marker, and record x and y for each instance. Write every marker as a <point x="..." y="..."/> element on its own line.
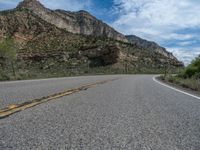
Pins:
<point x="173" y="24"/>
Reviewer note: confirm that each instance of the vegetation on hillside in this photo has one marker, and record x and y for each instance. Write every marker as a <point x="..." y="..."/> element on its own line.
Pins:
<point x="54" y="59"/>
<point x="189" y="77"/>
<point x="44" y="57"/>
<point x="7" y="59"/>
<point x="193" y="70"/>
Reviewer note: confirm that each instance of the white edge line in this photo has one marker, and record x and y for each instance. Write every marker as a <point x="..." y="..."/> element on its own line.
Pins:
<point x="154" y="79"/>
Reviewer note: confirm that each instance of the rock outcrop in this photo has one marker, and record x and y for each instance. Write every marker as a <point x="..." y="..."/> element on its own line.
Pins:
<point x="80" y="22"/>
<point x="152" y="46"/>
<point x="102" y="55"/>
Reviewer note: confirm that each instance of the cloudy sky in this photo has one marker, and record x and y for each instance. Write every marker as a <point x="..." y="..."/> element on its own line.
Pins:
<point x="174" y="24"/>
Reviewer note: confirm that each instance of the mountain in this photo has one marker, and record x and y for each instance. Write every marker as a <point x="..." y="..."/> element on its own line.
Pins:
<point x="59" y="43"/>
<point x="80" y="22"/>
<point x="152" y="46"/>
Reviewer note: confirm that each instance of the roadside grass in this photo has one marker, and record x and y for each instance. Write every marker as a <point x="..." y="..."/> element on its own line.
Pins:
<point x="188" y="77"/>
<point x="190" y="83"/>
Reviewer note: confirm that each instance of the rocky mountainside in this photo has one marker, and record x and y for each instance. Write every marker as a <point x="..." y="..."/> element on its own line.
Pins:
<point x="47" y="44"/>
<point x="82" y="22"/>
<point x="152" y="46"/>
<point x="75" y="22"/>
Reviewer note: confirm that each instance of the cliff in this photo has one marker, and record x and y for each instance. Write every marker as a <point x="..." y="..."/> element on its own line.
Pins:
<point x="75" y="22"/>
<point x="152" y="46"/>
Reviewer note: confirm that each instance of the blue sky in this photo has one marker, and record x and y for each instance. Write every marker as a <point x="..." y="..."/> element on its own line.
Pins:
<point x="174" y="24"/>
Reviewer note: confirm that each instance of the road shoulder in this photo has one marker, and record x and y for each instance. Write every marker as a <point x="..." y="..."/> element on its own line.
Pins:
<point x="177" y="88"/>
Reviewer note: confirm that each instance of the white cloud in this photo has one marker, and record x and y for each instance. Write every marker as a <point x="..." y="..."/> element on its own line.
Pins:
<point x="185" y="55"/>
<point x="158" y="20"/>
<point x="158" y="14"/>
<point x="185" y="43"/>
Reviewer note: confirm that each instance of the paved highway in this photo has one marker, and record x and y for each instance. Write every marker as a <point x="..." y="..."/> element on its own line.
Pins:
<point x="22" y="91"/>
<point x="133" y="112"/>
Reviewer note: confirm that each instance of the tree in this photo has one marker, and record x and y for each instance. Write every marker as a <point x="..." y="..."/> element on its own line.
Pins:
<point x="193" y="69"/>
<point x="8" y="54"/>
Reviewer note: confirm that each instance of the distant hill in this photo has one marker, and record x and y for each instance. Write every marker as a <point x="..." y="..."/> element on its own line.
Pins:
<point x="58" y="42"/>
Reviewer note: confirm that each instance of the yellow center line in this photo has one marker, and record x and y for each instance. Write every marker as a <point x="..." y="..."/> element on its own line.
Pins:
<point x="14" y="108"/>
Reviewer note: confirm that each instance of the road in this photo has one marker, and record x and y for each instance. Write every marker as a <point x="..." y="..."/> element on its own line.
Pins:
<point x="132" y="112"/>
<point x="22" y="91"/>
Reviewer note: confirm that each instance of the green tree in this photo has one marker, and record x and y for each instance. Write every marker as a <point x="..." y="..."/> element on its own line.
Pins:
<point x="193" y="69"/>
<point x="8" y="54"/>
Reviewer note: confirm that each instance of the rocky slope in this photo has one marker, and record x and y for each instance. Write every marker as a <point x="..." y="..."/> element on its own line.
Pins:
<point x="47" y="47"/>
<point x="152" y="46"/>
<point x="75" y="22"/>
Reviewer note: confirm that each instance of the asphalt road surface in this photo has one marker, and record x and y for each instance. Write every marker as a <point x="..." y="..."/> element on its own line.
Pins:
<point x="133" y="112"/>
<point x="22" y="91"/>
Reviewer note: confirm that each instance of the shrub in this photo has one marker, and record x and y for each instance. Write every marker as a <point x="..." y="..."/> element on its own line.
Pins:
<point x="196" y="75"/>
<point x="193" y="70"/>
<point x="3" y="76"/>
<point x="190" y="71"/>
<point x="8" y="54"/>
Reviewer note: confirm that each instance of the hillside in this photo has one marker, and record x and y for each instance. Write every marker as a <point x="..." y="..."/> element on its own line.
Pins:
<point x="152" y="46"/>
<point x="75" y="22"/>
<point x="47" y="48"/>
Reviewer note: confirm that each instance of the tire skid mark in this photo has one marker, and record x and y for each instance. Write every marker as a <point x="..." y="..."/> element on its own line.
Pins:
<point x="14" y="108"/>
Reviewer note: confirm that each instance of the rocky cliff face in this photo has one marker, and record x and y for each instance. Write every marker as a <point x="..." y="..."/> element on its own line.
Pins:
<point x="75" y="22"/>
<point x="102" y="55"/>
<point x="152" y="46"/>
<point x="82" y="22"/>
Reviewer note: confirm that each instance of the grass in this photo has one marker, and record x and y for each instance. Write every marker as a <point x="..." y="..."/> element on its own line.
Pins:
<point x="190" y="83"/>
<point x="187" y="78"/>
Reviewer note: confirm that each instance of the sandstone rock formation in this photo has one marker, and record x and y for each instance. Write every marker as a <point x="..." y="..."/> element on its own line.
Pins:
<point x="80" y="22"/>
<point x="101" y="56"/>
<point x="152" y="46"/>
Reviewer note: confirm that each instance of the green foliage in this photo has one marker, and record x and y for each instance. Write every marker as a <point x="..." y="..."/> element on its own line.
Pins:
<point x="190" y="71"/>
<point x="193" y="70"/>
<point x="8" y="49"/>
<point x="188" y="78"/>
<point x="7" y="57"/>
<point x="3" y="76"/>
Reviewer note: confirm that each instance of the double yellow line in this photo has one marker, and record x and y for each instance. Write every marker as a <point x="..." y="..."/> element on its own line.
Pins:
<point x="14" y="108"/>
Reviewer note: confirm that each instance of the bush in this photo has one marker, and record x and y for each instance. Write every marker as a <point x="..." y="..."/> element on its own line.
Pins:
<point x="3" y="76"/>
<point x="8" y="55"/>
<point x="196" y="75"/>
<point x="190" y="71"/>
<point x="193" y="70"/>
